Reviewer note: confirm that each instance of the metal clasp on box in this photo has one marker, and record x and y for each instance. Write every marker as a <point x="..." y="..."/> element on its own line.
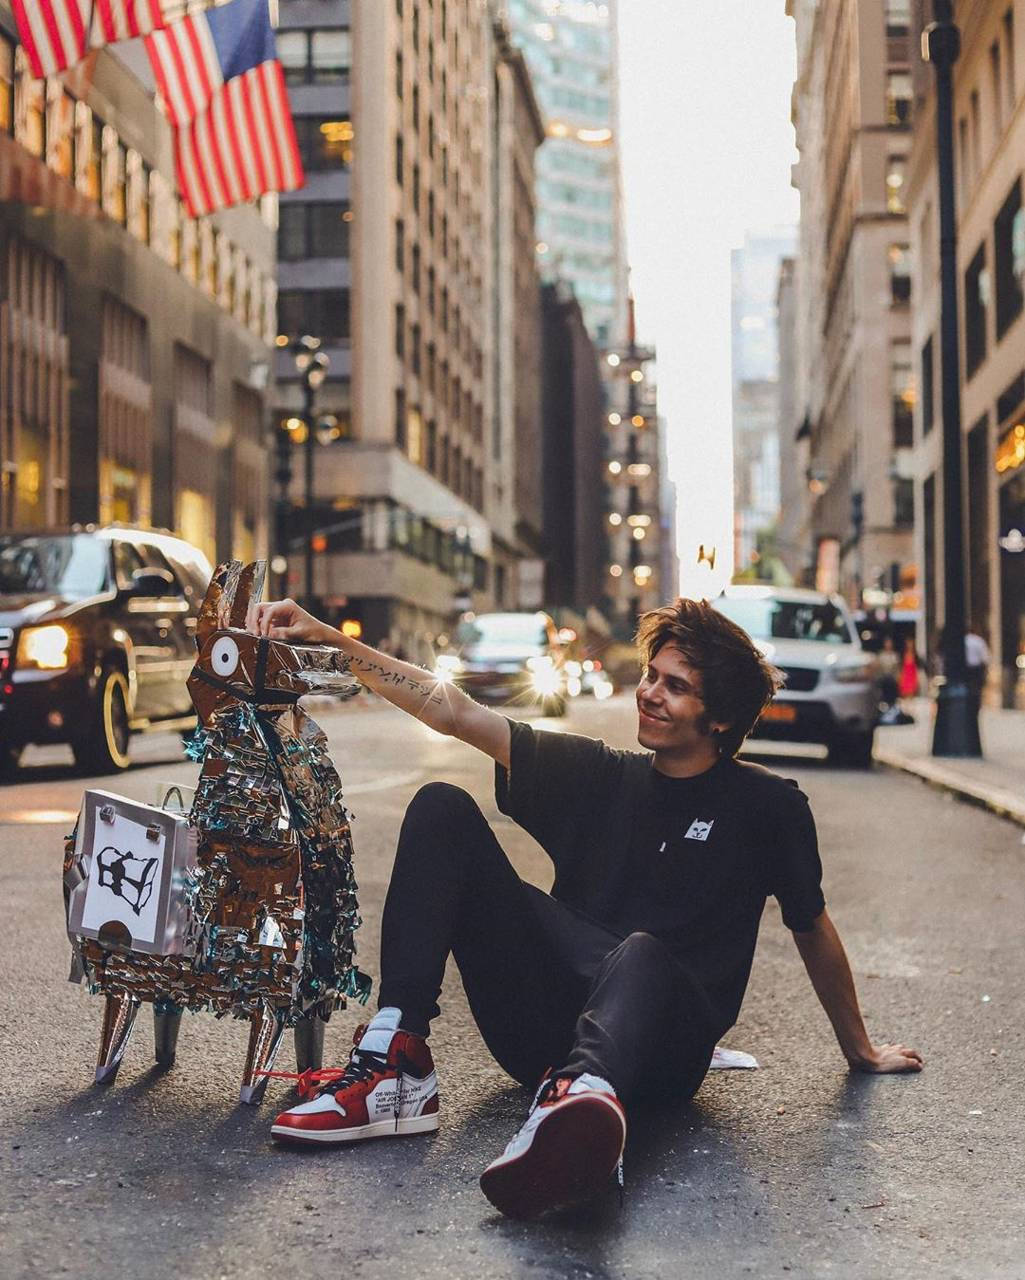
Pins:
<point x="107" y="813"/>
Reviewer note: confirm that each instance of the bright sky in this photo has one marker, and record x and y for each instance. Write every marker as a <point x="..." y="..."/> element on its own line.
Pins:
<point x="707" y="148"/>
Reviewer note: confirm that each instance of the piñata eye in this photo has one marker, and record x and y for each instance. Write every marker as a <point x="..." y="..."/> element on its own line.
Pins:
<point x="224" y="656"/>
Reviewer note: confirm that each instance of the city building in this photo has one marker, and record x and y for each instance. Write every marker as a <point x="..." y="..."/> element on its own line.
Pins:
<point x="418" y="128"/>
<point x="633" y="459"/>
<point x="754" y="277"/>
<point x="571" y="49"/>
<point x="575" y="529"/>
<point x="134" y="339"/>
<point x="989" y="147"/>
<point x="516" y="509"/>
<point x="792" y="541"/>
<point x="852" y="110"/>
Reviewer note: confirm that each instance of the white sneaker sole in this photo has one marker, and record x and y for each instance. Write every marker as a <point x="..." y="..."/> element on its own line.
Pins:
<point x="570" y="1159"/>
<point x="378" y="1129"/>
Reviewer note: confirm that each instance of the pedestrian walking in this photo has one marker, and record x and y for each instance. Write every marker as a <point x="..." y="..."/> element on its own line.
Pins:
<point x="617" y="985"/>
<point x="910" y="667"/>
<point x="977" y="659"/>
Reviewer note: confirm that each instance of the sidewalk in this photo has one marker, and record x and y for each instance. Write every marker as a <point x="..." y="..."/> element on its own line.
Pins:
<point x="996" y="782"/>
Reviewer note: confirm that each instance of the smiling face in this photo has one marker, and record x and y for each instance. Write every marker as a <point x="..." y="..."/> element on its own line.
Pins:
<point x="671" y="716"/>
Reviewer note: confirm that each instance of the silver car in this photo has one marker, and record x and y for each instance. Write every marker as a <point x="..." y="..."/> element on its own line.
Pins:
<point x="831" y="694"/>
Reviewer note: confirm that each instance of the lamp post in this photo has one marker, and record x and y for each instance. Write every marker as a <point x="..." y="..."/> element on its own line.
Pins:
<point x="312" y="365"/>
<point x="956" y="731"/>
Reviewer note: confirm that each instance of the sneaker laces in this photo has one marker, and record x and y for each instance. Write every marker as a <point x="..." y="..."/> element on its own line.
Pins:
<point x="314" y="1082"/>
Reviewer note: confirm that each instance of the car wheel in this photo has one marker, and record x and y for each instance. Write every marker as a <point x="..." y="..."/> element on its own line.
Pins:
<point x="853" y="749"/>
<point x="10" y="758"/>
<point x="103" y="748"/>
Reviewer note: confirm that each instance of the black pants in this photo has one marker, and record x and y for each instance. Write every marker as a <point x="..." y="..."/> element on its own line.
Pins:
<point x="546" y="986"/>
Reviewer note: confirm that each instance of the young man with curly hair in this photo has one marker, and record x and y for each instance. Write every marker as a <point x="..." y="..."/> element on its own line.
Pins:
<point x="618" y="984"/>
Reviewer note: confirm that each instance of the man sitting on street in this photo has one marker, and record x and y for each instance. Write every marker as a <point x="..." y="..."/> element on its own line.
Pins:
<point x="618" y="984"/>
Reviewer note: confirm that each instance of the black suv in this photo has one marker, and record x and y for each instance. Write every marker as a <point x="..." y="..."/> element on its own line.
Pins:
<point x="96" y="639"/>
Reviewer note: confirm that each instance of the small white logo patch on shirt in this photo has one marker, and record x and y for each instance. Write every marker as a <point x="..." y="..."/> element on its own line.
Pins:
<point x="699" y="830"/>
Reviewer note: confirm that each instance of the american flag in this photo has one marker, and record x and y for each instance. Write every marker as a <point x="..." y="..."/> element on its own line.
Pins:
<point x="223" y="90"/>
<point x="58" y="33"/>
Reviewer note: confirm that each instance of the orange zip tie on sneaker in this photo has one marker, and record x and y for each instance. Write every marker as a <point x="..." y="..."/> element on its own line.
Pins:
<point x="307" y="1081"/>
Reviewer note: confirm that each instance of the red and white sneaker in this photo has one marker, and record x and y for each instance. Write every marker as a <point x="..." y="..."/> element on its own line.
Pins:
<point x="566" y="1152"/>
<point x="377" y="1095"/>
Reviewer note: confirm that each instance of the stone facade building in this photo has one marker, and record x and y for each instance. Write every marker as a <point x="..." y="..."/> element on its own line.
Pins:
<point x="852" y="108"/>
<point x="134" y="340"/>
<point x="989" y="147"/>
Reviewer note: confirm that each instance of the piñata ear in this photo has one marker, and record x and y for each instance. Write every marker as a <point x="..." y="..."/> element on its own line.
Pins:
<point x="247" y="592"/>
<point x="213" y="602"/>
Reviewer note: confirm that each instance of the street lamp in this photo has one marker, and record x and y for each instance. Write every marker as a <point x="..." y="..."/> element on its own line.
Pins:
<point x="312" y="365"/>
<point x="956" y="731"/>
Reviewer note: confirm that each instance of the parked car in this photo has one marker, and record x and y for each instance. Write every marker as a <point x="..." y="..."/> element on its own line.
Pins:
<point x="508" y="658"/>
<point x="831" y="694"/>
<point x="96" y="639"/>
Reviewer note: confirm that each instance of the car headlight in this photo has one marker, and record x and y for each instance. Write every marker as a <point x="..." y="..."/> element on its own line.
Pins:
<point x="856" y="674"/>
<point x="447" y="666"/>
<point x="545" y="677"/>
<point x="46" y="648"/>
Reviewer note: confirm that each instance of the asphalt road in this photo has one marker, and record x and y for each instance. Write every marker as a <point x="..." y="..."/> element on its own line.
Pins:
<point x="797" y="1168"/>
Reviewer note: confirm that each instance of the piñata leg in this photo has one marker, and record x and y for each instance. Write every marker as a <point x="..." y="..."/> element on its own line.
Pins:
<point x="265" y="1032"/>
<point x="118" y="1021"/>
<point x="309" y="1043"/>
<point x="167" y="1020"/>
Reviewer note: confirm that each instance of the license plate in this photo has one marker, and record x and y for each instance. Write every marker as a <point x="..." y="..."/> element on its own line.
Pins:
<point x="780" y="712"/>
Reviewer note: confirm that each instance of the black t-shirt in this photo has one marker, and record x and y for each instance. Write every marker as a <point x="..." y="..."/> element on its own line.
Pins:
<point x="690" y="860"/>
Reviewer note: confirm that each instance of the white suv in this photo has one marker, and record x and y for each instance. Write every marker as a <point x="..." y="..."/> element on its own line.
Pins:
<point x="831" y="694"/>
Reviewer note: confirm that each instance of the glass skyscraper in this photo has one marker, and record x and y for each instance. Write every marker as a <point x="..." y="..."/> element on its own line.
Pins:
<point x="571" y="49"/>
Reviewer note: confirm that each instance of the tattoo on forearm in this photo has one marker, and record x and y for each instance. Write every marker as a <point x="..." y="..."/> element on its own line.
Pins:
<point x="428" y="690"/>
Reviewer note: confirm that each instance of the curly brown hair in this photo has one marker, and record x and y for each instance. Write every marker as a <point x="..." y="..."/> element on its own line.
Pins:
<point x="737" y="683"/>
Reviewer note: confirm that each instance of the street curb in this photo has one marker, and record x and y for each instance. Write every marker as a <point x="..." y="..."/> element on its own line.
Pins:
<point x="1006" y="804"/>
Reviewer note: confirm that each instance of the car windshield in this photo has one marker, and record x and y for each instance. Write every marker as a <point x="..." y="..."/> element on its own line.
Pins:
<point x="771" y="619"/>
<point x="73" y="564"/>
<point x="502" y="629"/>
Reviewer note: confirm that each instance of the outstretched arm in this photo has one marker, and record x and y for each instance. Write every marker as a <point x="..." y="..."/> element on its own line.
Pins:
<point x="826" y="961"/>
<point x="439" y="705"/>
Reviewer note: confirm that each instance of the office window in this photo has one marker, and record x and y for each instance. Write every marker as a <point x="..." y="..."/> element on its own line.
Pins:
<point x="29" y="107"/>
<point x="899" y="258"/>
<point x="321" y="56"/>
<point x="293" y="54"/>
<point x="324" y="313"/>
<point x="903" y="502"/>
<point x="323" y="143"/>
<point x="976" y="133"/>
<point x="400" y="417"/>
<point x="400" y="330"/>
<point x="416" y="188"/>
<point x="896" y="178"/>
<point x="398" y="74"/>
<point x="329" y="230"/>
<point x="400" y="245"/>
<point x="1010" y="87"/>
<point x="414" y="342"/>
<point x="898" y="98"/>
<point x="928" y="376"/>
<point x="996" y="88"/>
<point x="902" y="390"/>
<point x="415" y="274"/>
<point x="291" y="232"/>
<point x="399" y="159"/>
<point x="330" y="56"/>
<point x="313" y="231"/>
<point x="60" y="131"/>
<point x="1009" y="254"/>
<point x="6" y="85"/>
<point x="976" y="295"/>
<point x="898" y="17"/>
